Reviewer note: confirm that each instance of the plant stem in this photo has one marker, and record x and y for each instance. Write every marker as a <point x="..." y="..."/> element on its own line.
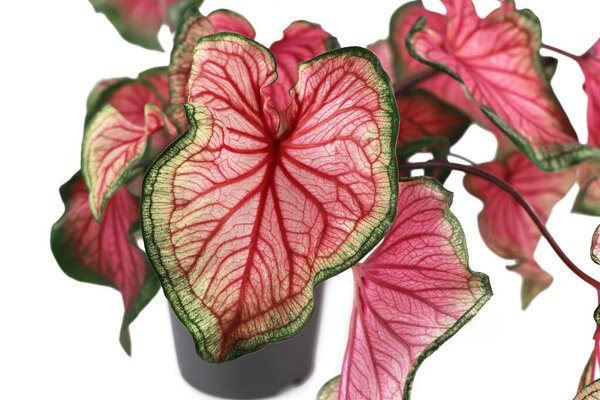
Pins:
<point x="409" y="81"/>
<point x="561" y="52"/>
<point x="469" y="169"/>
<point x="465" y="159"/>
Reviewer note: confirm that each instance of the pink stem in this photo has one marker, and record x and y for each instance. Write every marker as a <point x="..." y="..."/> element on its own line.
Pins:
<point x="518" y="197"/>
<point x="561" y="52"/>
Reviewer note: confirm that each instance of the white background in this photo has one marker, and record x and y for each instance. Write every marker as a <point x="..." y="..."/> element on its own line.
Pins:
<point x="58" y="337"/>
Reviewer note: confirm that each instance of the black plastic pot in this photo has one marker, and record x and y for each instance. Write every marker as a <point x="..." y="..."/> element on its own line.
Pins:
<point x="261" y="374"/>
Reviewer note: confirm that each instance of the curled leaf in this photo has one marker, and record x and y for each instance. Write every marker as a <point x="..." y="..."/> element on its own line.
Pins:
<point x="505" y="226"/>
<point x="412" y="294"/>
<point x="104" y="254"/>
<point x="138" y="21"/>
<point x="243" y="216"/>
<point x="496" y="61"/>
<point x="115" y="138"/>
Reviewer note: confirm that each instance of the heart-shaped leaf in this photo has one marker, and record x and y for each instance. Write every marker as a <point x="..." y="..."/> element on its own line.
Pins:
<point x="138" y="21"/>
<point x="505" y="226"/>
<point x="496" y="60"/>
<point x="195" y="27"/>
<point x="104" y="254"/>
<point x="115" y="138"/>
<point x="243" y="215"/>
<point x="412" y="294"/>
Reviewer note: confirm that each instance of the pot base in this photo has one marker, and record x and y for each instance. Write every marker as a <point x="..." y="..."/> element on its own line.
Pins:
<point x="260" y="374"/>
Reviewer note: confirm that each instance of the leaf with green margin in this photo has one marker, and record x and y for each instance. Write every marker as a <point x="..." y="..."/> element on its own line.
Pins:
<point x="426" y="123"/>
<point x="595" y="249"/>
<point x="138" y="21"/>
<point x="158" y="79"/>
<point x="528" y="112"/>
<point x="413" y="293"/>
<point x="112" y="145"/>
<point x="588" y="198"/>
<point x="104" y="254"/>
<point x="193" y="28"/>
<point x="535" y="280"/>
<point x="241" y="219"/>
<point x="330" y="390"/>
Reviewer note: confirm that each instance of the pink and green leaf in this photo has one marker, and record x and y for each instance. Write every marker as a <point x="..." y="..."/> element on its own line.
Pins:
<point x="138" y="21"/>
<point x="301" y="42"/>
<point x="412" y="294"/>
<point x="242" y="215"/>
<point x="595" y="249"/>
<point x="104" y="254"/>
<point x="158" y="79"/>
<point x="588" y="198"/>
<point x="330" y="390"/>
<point x="112" y="145"/>
<point x="496" y="61"/>
<point x="193" y="28"/>
<point x="505" y="226"/>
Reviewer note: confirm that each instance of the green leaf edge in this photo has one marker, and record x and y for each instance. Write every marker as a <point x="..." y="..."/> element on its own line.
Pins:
<point x="294" y="326"/>
<point x="595" y="258"/>
<point x="584" y="206"/>
<point x="68" y="264"/>
<point x="131" y="34"/>
<point x="577" y="152"/>
<point x="459" y="245"/>
<point x="122" y="176"/>
<point x="328" y="388"/>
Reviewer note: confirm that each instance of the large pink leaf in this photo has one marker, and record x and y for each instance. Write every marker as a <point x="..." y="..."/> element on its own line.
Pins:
<point x="243" y="216"/>
<point x="104" y="254"/>
<point x="496" y="60"/>
<point x="138" y="21"/>
<point x="193" y="28"/>
<point x="412" y="293"/>
<point x="505" y="226"/>
<point x="301" y="41"/>
<point x="115" y="139"/>
<point x="588" y="198"/>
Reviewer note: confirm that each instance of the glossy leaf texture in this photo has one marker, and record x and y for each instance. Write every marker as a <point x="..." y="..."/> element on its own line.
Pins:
<point x="590" y="392"/>
<point x="244" y="215"/>
<point x="138" y="21"/>
<point x="104" y="254"/>
<point x="118" y="127"/>
<point x="412" y="294"/>
<point x="496" y="61"/>
<point x="505" y="226"/>
<point x="588" y="198"/>
<point x="193" y="28"/>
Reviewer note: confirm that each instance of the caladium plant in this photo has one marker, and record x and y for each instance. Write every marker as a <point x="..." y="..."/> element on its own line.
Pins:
<point x="253" y="174"/>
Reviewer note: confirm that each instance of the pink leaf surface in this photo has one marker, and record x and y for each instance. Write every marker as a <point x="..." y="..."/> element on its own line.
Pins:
<point x="104" y="254"/>
<point x="496" y="60"/>
<point x="535" y="280"/>
<point x="505" y="226"/>
<point x="138" y="21"/>
<point x="588" y="199"/>
<point x="192" y="29"/>
<point x="115" y="139"/>
<point x="244" y="215"/>
<point x="421" y="114"/>
<point x="412" y="293"/>
<point x="595" y="250"/>
<point x="301" y="41"/>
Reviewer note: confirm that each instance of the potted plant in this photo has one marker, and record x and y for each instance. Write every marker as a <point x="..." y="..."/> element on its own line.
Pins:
<point x="254" y="174"/>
